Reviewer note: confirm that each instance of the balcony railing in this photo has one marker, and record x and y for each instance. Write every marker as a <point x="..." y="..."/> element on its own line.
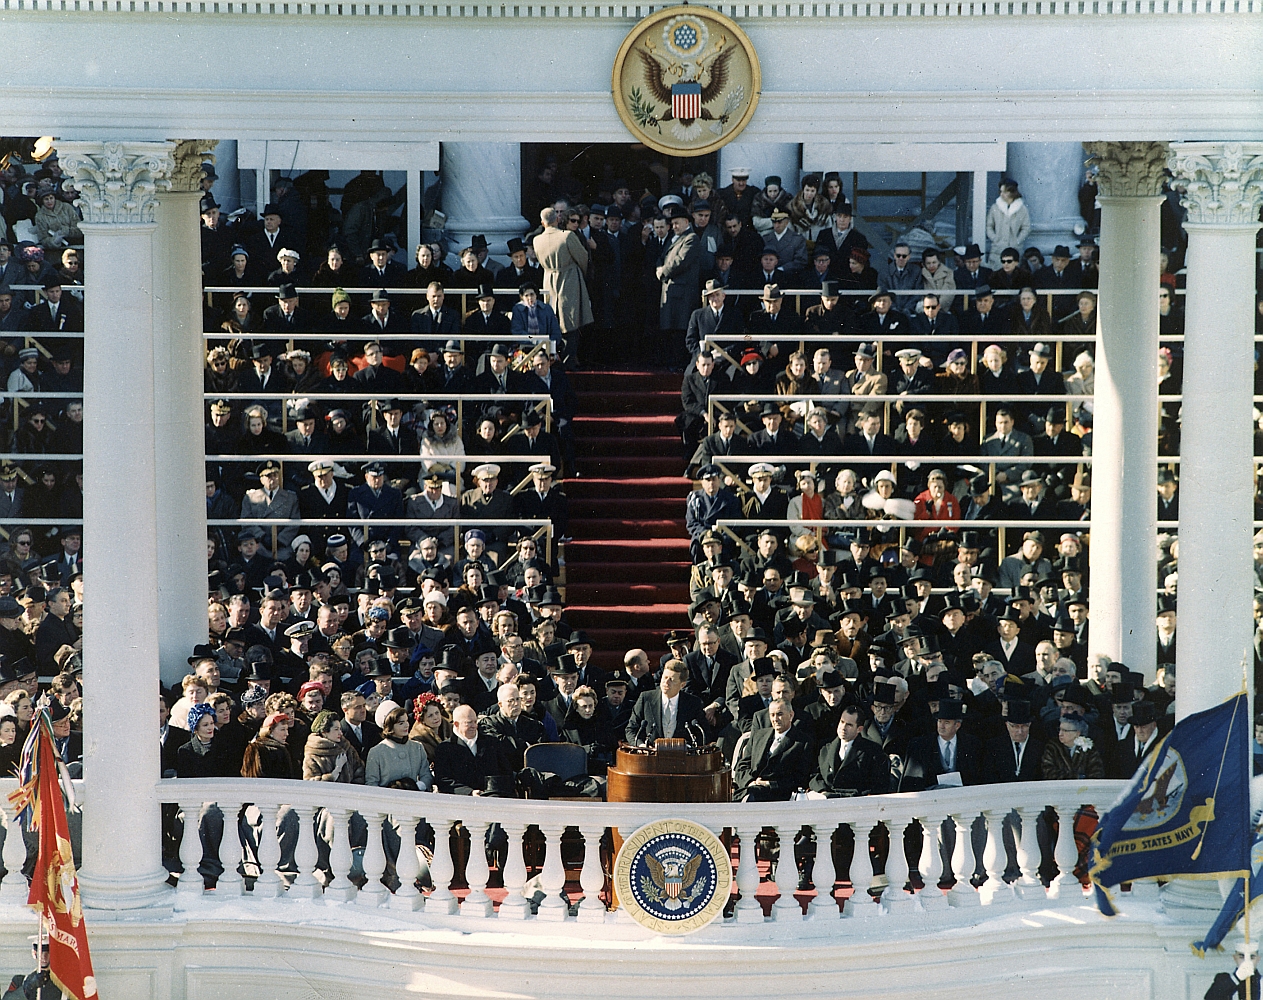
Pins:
<point x="1042" y="839"/>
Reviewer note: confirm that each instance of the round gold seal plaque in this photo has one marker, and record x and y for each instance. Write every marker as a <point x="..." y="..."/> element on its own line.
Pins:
<point x="673" y="876"/>
<point x="686" y="81"/>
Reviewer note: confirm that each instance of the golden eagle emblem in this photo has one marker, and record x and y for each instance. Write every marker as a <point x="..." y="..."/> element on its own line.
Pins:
<point x="672" y="879"/>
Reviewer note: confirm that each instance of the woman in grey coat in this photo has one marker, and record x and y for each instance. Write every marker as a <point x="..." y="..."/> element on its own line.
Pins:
<point x="399" y="762"/>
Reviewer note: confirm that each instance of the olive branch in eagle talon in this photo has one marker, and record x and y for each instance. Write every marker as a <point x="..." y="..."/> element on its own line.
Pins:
<point x="710" y="70"/>
<point x="643" y="111"/>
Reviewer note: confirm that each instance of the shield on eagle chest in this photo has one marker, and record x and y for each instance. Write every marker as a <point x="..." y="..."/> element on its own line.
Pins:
<point x="674" y="881"/>
<point x="686" y="100"/>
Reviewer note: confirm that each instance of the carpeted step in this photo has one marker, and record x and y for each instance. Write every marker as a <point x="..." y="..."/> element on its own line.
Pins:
<point x="649" y="616"/>
<point x="628" y="402"/>
<point x="626" y="528"/>
<point x="614" y="642"/>
<point x="613" y="505"/>
<point x="617" y="593"/>
<point x="598" y="488"/>
<point x="648" y="425"/>
<point x="588" y="447"/>
<point x="643" y="550"/>
<point x="641" y="381"/>
<point x="619" y="466"/>
<point x="625" y="572"/>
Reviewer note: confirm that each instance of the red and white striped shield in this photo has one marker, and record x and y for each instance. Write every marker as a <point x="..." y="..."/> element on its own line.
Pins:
<point x="686" y="100"/>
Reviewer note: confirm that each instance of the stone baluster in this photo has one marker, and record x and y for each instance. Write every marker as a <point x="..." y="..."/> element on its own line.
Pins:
<point x="231" y="853"/>
<point x="407" y="867"/>
<point x="553" y="878"/>
<point x="1065" y="885"/>
<point x="15" y="888"/>
<point x="515" y="906"/>
<point x="931" y="864"/>
<point x="374" y="892"/>
<point x="823" y="876"/>
<point x="340" y="860"/>
<point x="442" y="870"/>
<point x="191" y="884"/>
<point x="748" y="911"/>
<point x="786" y="906"/>
<point x="962" y="893"/>
<point x="592" y="878"/>
<point x="1029" y="886"/>
<point x="994" y="860"/>
<point x="860" y="905"/>
<point x="269" y="884"/>
<point x="306" y="885"/>
<point x="477" y="903"/>
<point x="894" y="898"/>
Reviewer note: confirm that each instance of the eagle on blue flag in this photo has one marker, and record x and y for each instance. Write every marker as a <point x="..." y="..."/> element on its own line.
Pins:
<point x="1186" y="813"/>
<point x="1238" y="899"/>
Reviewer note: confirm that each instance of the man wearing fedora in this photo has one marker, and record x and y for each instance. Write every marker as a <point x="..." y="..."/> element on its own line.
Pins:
<point x="1058" y="274"/>
<point x="713" y="319"/>
<point x="267" y="241"/>
<point x="679" y="271"/>
<point x="883" y="319"/>
<point x="382" y="318"/>
<point x="971" y="273"/>
<point x="380" y="271"/>
<point x="775" y="323"/>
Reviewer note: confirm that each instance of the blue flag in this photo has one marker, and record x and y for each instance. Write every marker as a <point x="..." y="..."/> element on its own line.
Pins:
<point x="1186" y="813"/>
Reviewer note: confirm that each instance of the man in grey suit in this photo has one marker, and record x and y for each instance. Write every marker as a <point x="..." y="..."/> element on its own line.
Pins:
<point x="1007" y="442"/>
<point x="679" y="270"/>
<point x="432" y="504"/>
<point x="272" y="501"/>
<point x="665" y="713"/>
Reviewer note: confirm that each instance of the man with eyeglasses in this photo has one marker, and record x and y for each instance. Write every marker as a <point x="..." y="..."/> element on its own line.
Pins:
<point x="934" y="322"/>
<point x="1170" y="318"/>
<point x="900" y="273"/>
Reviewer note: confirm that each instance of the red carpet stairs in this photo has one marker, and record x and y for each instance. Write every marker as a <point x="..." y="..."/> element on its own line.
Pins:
<point x="627" y="569"/>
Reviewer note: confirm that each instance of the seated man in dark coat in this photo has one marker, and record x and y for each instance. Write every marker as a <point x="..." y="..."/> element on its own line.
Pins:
<point x="667" y="711"/>
<point x="774" y="761"/>
<point x="470" y="762"/>
<point x="948" y="752"/>
<point x="487" y="320"/>
<point x="851" y="765"/>
<point x="511" y="726"/>
<point x="545" y="500"/>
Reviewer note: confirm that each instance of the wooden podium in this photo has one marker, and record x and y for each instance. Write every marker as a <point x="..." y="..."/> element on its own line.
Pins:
<point x="669" y="771"/>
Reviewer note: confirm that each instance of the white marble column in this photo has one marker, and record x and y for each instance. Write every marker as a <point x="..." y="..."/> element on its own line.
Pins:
<point x="1125" y="425"/>
<point x="482" y="193"/>
<point x="1049" y="175"/>
<point x="179" y="441"/>
<point x="1223" y="189"/>
<point x="762" y="159"/>
<point x="120" y="183"/>
<point x="227" y="189"/>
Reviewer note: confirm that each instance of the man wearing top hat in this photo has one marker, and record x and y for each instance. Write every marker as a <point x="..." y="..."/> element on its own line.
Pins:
<point x="1132" y="750"/>
<point x="270" y="500"/>
<point x="679" y="271"/>
<point x="842" y="237"/>
<point x="971" y="273"/>
<point x="947" y="756"/>
<point x="286" y="318"/>
<point x="485" y="320"/>
<point x="304" y="439"/>
<point x="1057" y="274"/>
<point x="520" y="270"/>
<point x="391" y="437"/>
<point x="380" y="271"/>
<point x="1017" y="657"/>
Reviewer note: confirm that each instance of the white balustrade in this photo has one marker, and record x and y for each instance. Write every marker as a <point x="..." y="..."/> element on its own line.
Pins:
<point x="516" y="906"/>
<point x="407" y="867"/>
<point x="553" y="877"/>
<point x="306" y="885"/>
<point x="938" y="813"/>
<point x="749" y="910"/>
<point x="340" y="857"/>
<point x="442" y="870"/>
<point x="15" y="889"/>
<point x="592" y="877"/>
<point x="786" y="906"/>
<point x="825" y="905"/>
<point x="860" y="905"/>
<point x="477" y="903"/>
<point x="374" y="893"/>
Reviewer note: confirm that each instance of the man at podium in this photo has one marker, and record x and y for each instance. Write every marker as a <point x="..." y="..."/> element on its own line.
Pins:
<point x="666" y="712"/>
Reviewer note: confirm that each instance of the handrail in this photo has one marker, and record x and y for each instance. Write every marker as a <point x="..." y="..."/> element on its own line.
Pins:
<point x="290" y="805"/>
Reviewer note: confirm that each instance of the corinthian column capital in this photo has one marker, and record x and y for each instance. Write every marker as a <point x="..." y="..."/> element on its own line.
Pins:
<point x="119" y="182"/>
<point x="1128" y="169"/>
<point x="189" y="155"/>
<point x="1221" y="182"/>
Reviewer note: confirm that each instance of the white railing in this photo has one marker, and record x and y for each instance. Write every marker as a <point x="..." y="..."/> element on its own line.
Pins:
<point x="625" y="12"/>
<point x="296" y="808"/>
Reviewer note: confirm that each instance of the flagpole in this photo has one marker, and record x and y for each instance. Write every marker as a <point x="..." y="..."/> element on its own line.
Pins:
<point x="39" y="960"/>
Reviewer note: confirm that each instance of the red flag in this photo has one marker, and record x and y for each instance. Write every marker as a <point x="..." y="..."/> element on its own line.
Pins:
<point x="55" y="888"/>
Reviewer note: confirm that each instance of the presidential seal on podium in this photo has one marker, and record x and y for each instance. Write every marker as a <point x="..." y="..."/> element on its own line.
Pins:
<point x="673" y="876"/>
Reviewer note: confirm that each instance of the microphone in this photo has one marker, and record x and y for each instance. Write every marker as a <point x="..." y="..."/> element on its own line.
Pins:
<point x="695" y="734"/>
